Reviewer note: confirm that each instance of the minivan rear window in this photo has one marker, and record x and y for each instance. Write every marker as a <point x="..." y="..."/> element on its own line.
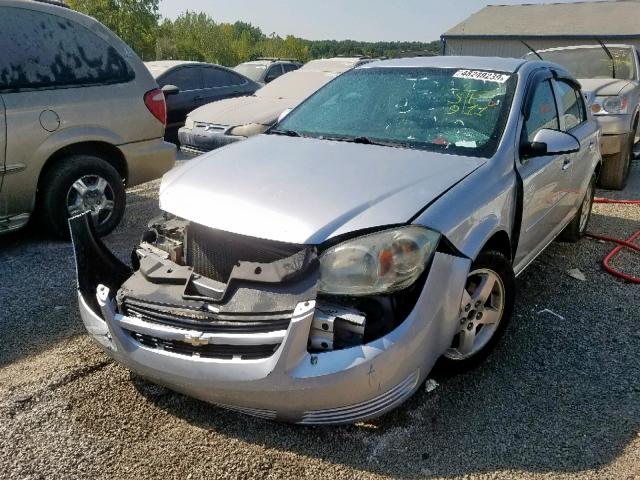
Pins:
<point x="42" y="51"/>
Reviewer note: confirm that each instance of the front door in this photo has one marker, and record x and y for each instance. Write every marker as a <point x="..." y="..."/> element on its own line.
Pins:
<point x="189" y="80"/>
<point x="546" y="179"/>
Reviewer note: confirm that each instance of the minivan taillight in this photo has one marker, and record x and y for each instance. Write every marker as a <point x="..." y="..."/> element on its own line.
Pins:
<point x="155" y="102"/>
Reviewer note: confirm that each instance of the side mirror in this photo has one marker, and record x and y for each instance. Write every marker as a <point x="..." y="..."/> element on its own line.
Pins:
<point x="550" y="142"/>
<point x="170" y="90"/>
<point x="284" y="114"/>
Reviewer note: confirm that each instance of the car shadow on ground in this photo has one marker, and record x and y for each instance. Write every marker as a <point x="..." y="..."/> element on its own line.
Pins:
<point x="561" y="393"/>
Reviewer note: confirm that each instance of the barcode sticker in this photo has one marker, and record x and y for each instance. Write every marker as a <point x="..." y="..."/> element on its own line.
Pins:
<point x="480" y="75"/>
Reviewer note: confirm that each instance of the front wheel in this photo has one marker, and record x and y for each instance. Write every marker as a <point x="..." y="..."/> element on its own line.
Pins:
<point x="485" y="311"/>
<point x="82" y="183"/>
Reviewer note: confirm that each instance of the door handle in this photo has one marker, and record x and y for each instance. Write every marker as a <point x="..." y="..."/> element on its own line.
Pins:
<point x="566" y="164"/>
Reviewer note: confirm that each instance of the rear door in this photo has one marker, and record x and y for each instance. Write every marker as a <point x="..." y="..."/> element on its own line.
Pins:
<point x="575" y="121"/>
<point x="221" y="83"/>
<point x="189" y="80"/>
<point x="545" y="179"/>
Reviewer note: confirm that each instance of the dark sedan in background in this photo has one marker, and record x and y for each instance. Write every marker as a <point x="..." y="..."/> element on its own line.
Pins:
<point x="189" y="85"/>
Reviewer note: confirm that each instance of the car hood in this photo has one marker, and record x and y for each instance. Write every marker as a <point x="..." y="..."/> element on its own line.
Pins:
<point x="302" y="190"/>
<point x="593" y="87"/>
<point x="243" y="110"/>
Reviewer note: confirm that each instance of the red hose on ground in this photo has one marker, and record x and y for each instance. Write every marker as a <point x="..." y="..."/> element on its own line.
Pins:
<point x="629" y="243"/>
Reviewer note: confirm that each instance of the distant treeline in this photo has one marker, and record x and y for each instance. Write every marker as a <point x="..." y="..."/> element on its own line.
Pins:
<point x="197" y="36"/>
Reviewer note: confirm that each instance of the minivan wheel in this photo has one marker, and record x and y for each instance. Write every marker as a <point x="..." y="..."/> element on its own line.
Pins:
<point x="485" y="311"/>
<point x="82" y="183"/>
<point x="578" y="226"/>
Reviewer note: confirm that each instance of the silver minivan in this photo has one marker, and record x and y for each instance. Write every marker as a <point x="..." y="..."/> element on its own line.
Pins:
<point x="80" y="118"/>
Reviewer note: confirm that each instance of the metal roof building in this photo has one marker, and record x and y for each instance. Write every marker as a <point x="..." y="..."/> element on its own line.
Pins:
<point x="499" y="30"/>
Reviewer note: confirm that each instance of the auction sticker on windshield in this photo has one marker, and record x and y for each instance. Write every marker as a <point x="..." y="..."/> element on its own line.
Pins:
<point x="480" y="75"/>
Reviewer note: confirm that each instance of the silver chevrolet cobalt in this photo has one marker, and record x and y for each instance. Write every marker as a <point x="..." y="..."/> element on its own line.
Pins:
<point x="315" y="274"/>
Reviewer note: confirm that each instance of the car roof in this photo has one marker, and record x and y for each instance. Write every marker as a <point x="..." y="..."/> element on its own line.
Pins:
<point x="159" y="67"/>
<point x="332" y="65"/>
<point x="576" y="47"/>
<point x="478" y="63"/>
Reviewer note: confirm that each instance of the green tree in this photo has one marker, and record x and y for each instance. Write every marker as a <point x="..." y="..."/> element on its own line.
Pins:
<point x="135" y="21"/>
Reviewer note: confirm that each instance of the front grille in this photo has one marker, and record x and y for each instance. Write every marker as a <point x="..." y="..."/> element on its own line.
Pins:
<point x="203" y="321"/>
<point x="213" y="253"/>
<point x="223" y="352"/>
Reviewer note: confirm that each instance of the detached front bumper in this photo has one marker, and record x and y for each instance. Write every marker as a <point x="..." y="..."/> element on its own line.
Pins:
<point x="290" y="384"/>
<point x="197" y="140"/>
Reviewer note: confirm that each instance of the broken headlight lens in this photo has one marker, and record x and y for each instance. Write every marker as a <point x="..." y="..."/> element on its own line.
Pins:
<point x="382" y="262"/>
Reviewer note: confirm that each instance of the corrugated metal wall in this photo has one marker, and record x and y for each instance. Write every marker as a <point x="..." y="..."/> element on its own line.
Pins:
<point x="514" y="48"/>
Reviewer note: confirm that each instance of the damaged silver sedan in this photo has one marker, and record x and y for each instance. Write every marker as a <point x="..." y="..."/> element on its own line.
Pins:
<point x="316" y="274"/>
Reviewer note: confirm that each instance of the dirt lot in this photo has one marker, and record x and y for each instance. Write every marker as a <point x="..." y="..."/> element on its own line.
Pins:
<point x="559" y="398"/>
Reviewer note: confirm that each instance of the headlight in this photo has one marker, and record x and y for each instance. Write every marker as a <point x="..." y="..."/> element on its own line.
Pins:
<point x="248" y="130"/>
<point x="610" y="105"/>
<point x="382" y="262"/>
<point x="189" y="123"/>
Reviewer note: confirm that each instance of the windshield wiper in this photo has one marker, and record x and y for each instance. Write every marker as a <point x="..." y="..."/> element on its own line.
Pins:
<point x="288" y="133"/>
<point x="367" y="141"/>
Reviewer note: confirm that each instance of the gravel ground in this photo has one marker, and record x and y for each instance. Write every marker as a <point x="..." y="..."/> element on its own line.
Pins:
<point x="559" y="398"/>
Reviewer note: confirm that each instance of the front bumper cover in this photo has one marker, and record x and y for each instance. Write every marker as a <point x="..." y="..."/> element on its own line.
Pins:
<point x="199" y="140"/>
<point x="291" y="385"/>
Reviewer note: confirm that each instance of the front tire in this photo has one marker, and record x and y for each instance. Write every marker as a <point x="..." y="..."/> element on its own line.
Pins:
<point x="616" y="168"/>
<point x="485" y="312"/>
<point x="78" y="184"/>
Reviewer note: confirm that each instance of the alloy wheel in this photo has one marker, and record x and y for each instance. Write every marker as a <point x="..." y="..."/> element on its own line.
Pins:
<point x="585" y="211"/>
<point x="481" y="310"/>
<point x="91" y="193"/>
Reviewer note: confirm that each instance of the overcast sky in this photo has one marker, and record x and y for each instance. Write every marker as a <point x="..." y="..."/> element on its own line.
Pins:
<point x="367" y="20"/>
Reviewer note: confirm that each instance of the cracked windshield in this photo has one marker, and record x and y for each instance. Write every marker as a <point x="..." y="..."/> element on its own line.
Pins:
<point x="458" y="111"/>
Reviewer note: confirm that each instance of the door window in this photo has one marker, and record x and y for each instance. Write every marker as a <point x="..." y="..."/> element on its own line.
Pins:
<point x="290" y="67"/>
<point x="185" y="78"/>
<point x="45" y="51"/>
<point x="217" y="78"/>
<point x="543" y="112"/>
<point x="574" y="112"/>
<point x="274" y="72"/>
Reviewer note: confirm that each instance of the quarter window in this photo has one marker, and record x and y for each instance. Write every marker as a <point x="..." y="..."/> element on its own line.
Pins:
<point x="543" y="112"/>
<point x="42" y="51"/>
<point x="573" y="108"/>
<point x="186" y="78"/>
<point x="217" y="77"/>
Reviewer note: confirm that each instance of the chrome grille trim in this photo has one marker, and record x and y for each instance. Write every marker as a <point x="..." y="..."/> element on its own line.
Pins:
<point x="363" y="410"/>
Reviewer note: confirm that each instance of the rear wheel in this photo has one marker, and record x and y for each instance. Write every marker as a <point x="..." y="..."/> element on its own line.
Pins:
<point x="82" y="183"/>
<point x="578" y="226"/>
<point x="486" y="309"/>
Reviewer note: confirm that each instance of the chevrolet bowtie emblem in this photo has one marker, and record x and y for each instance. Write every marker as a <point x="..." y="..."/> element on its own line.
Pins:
<point x="195" y="341"/>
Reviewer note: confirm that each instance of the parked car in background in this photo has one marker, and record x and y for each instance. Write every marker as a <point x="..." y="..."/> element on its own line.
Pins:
<point x="80" y="118"/>
<point x="189" y="85"/>
<point x="610" y="79"/>
<point x="265" y="70"/>
<point x="316" y="273"/>
<point x="229" y="121"/>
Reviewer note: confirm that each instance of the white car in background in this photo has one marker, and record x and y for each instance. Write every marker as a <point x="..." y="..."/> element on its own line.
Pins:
<point x="220" y="123"/>
<point x="610" y="79"/>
